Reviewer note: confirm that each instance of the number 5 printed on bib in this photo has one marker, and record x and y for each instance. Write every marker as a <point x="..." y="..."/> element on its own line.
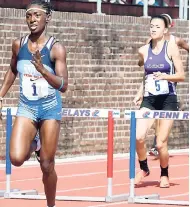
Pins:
<point x="157" y="87"/>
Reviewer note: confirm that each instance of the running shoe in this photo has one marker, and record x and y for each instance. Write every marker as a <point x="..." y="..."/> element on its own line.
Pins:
<point x="153" y="152"/>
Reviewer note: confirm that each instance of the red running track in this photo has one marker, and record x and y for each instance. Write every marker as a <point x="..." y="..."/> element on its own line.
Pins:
<point x="88" y="178"/>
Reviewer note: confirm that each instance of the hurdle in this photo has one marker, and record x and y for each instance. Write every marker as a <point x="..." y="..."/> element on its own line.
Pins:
<point x="133" y="116"/>
<point x="110" y="115"/>
<point x="8" y="189"/>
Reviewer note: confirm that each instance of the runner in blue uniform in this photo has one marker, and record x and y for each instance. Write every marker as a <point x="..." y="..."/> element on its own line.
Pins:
<point x="40" y="62"/>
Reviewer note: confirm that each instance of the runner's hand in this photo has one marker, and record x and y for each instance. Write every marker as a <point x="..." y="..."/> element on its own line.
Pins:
<point x="159" y="76"/>
<point x="37" y="61"/>
<point x="137" y="100"/>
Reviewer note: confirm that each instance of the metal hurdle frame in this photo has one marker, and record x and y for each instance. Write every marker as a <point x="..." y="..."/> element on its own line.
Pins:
<point x="140" y="114"/>
<point x="110" y="114"/>
<point x="8" y="190"/>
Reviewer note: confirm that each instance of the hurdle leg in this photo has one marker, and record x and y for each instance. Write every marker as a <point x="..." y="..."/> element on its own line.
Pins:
<point x="3" y="192"/>
<point x="8" y="190"/>
<point x="144" y="199"/>
<point x="8" y="163"/>
<point x="132" y="198"/>
<point x="110" y="197"/>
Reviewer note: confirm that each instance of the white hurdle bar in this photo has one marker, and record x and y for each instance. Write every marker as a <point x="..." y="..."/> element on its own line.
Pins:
<point x="141" y="114"/>
<point x="110" y="114"/>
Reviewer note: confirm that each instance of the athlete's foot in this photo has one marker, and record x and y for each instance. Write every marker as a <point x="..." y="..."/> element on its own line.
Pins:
<point x="153" y="151"/>
<point x="140" y="175"/>
<point x="164" y="182"/>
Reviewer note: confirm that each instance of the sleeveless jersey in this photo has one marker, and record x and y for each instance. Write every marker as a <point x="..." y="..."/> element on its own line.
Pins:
<point x="33" y="86"/>
<point x="158" y="63"/>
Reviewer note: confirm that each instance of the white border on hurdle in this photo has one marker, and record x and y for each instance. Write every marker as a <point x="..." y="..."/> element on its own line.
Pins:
<point x="72" y="112"/>
<point x="147" y="114"/>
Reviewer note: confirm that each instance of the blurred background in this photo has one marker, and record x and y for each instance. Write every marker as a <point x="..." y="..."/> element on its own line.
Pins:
<point x="175" y="8"/>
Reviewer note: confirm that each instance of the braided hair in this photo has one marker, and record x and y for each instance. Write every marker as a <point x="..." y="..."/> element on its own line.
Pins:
<point x="43" y="3"/>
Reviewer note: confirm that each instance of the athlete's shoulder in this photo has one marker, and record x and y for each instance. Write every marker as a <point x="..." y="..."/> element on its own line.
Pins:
<point x="16" y="42"/>
<point x="58" y="50"/>
<point x="172" y="39"/>
<point x="16" y="46"/>
<point x="172" y="48"/>
<point x="57" y="43"/>
<point x="143" y="48"/>
<point x="19" y="42"/>
<point x="57" y="46"/>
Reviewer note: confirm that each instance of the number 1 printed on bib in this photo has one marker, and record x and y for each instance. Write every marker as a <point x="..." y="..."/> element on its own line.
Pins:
<point x="34" y="89"/>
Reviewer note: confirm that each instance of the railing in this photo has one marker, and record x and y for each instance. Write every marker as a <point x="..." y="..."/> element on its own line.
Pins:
<point x="183" y="8"/>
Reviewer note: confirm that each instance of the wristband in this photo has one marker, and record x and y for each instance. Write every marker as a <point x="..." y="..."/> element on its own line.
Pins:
<point x="61" y="86"/>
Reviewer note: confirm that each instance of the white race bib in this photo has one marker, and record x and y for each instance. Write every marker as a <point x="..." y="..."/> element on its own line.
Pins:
<point x="34" y="88"/>
<point x="157" y="87"/>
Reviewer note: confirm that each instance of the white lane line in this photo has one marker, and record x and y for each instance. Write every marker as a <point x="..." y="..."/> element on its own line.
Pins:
<point x="90" y="159"/>
<point x="87" y="174"/>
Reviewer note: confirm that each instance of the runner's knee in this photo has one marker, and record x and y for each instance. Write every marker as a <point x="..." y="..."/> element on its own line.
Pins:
<point x="161" y="145"/>
<point x="47" y="166"/>
<point x="16" y="160"/>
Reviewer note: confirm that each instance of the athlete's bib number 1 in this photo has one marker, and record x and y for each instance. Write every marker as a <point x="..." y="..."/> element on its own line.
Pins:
<point x="34" y="89"/>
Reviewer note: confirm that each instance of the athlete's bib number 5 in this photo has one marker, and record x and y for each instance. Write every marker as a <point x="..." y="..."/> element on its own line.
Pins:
<point x="158" y="87"/>
<point x="34" y="89"/>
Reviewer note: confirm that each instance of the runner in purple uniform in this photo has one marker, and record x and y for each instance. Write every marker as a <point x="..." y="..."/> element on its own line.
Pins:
<point x="160" y="57"/>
